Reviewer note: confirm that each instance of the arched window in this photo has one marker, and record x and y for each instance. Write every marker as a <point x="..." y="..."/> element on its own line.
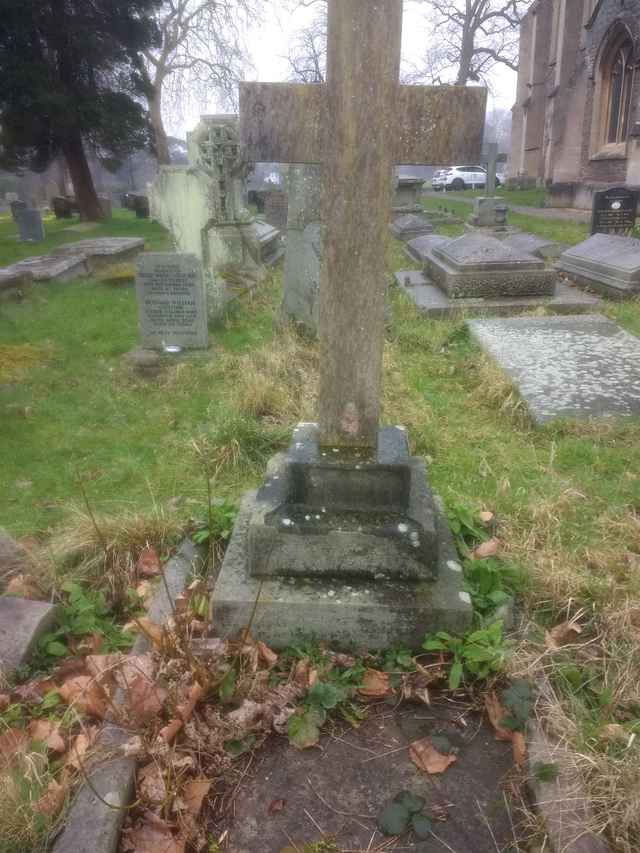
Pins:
<point x="617" y="78"/>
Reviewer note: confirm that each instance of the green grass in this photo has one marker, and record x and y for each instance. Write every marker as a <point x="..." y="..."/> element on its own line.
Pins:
<point x="531" y="198"/>
<point x="123" y="224"/>
<point x="560" y="230"/>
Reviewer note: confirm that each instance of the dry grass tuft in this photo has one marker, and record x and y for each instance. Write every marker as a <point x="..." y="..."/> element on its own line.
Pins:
<point x="103" y="549"/>
<point x="278" y="381"/>
<point x="495" y="390"/>
<point x="22" y="827"/>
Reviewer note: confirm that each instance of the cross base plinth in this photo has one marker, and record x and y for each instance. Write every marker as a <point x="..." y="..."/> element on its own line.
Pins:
<point x="351" y="549"/>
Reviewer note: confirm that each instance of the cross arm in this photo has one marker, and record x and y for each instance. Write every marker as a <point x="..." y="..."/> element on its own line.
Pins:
<point x="282" y="122"/>
<point x="439" y="125"/>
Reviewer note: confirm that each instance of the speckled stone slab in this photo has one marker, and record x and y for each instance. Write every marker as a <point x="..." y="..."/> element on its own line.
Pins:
<point x="420" y="248"/>
<point x="572" y="367"/>
<point x="51" y="268"/>
<point x="103" y="251"/>
<point x="433" y="302"/>
<point x="410" y="226"/>
<point x="480" y="266"/>
<point x="606" y="263"/>
<point x="534" y="245"/>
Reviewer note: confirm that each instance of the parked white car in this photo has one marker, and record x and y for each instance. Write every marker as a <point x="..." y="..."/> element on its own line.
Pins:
<point x="460" y="178"/>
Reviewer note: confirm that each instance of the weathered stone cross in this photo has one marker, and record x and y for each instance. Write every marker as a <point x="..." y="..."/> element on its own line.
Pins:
<point x="358" y="126"/>
<point x="492" y="161"/>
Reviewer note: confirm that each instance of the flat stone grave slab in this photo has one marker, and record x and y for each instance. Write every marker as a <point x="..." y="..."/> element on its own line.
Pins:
<point x="172" y="308"/>
<point x="340" y="788"/>
<point x="566" y="367"/>
<point x="53" y="268"/>
<point x="433" y="302"/>
<point x="271" y="248"/>
<point x="22" y="624"/>
<point x="410" y="226"/>
<point x="103" y="251"/>
<point x="420" y="248"/>
<point x="606" y="263"/>
<point x="534" y="245"/>
<point x="480" y="266"/>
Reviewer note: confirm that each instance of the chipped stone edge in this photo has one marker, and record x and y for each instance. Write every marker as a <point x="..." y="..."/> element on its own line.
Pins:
<point x="566" y="827"/>
<point x="89" y="820"/>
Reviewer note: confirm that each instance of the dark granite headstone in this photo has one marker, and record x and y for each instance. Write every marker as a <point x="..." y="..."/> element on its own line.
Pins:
<point x="141" y="206"/>
<point x="614" y="211"/>
<point x="30" y="225"/>
<point x="16" y="209"/>
<point x="62" y="207"/>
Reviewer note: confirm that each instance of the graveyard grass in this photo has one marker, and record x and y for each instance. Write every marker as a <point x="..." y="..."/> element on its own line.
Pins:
<point x="566" y="497"/>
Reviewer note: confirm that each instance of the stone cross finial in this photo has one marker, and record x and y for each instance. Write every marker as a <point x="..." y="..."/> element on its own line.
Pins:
<point x="358" y="125"/>
<point x="492" y="159"/>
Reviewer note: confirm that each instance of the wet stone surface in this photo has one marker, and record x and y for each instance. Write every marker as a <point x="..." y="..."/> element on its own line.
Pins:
<point x="290" y="797"/>
<point x="574" y="366"/>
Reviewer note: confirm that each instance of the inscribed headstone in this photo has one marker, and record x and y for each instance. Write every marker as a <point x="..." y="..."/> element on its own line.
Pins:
<point x="171" y="301"/>
<point x="30" y="225"/>
<point x="614" y="211"/>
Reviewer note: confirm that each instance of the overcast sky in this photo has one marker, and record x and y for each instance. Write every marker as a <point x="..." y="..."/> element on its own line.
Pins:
<point x="268" y="46"/>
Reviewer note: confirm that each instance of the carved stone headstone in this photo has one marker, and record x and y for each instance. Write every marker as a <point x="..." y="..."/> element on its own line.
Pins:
<point x="17" y="207"/>
<point x="30" y="225"/>
<point x="171" y="301"/>
<point x="275" y="208"/>
<point x="407" y="194"/>
<point x="614" y="211"/>
<point x="348" y="507"/>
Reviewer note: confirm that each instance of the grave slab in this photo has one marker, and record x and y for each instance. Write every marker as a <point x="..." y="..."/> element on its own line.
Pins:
<point x="421" y="248"/>
<point x="344" y="785"/>
<point x="271" y="248"/>
<point x="52" y="268"/>
<point x="606" y="263"/>
<point x="480" y="266"/>
<point x="571" y="367"/>
<point x="534" y="245"/>
<point x="171" y="301"/>
<point x="103" y="251"/>
<point x="30" y="225"/>
<point x="433" y="302"/>
<point x="410" y="226"/>
<point x="22" y="624"/>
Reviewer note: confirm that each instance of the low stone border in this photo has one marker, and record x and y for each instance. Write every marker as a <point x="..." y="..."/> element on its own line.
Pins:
<point x="95" y="818"/>
<point x="562" y="802"/>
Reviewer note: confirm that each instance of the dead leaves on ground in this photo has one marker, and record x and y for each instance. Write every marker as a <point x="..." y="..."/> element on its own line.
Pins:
<point x="375" y="685"/>
<point x="428" y="758"/>
<point x="563" y="634"/>
<point x="497" y="715"/>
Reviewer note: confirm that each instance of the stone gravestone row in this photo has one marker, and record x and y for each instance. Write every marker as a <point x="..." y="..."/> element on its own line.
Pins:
<point x="614" y="211"/>
<point x="171" y="302"/>
<point x="348" y="509"/>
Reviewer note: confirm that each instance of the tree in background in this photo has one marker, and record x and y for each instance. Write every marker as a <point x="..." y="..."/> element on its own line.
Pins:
<point x="468" y="38"/>
<point x="201" y="50"/>
<point x="72" y="77"/>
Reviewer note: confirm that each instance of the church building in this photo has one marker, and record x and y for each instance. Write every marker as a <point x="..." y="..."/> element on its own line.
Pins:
<point x="576" y="120"/>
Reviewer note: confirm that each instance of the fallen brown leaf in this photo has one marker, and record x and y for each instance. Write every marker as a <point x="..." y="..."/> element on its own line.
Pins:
<point x="427" y="758"/>
<point x="47" y="732"/>
<point x="486" y="516"/>
<point x="519" y="748"/>
<point x="77" y="751"/>
<point x="486" y="549"/>
<point x="85" y="694"/>
<point x="153" y="836"/>
<point x="184" y="711"/>
<point x="52" y="800"/>
<point x="194" y="793"/>
<point x="5" y="701"/>
<point x="496" y="714"/>
<point x="562" y="635"/>
<point x="276" y="806"/>
<point x="151" y="784"/>
<point x="375" y="685"/>
<point x="269" y="657"/>
<point x="24" y="586"/>
<point x="148" y="564"/>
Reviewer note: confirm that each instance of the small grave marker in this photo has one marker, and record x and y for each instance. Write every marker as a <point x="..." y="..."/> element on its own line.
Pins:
<point x="171" y="301"/>
<point x="30" y="225"/>
<point x="614" y="211"/>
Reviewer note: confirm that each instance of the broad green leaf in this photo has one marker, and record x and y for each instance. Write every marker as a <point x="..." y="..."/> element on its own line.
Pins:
<point x="239" y="747"/>
<point x="422" y="826"/>
<point x="410" y="801"/>
<point x="395" y="819"/>
<point x="325" y="695"/>
<point x="304" y="729"/>
<point x="57" y="649"/>
<point x="227" y="686"/>
<point x="455" y="676"/>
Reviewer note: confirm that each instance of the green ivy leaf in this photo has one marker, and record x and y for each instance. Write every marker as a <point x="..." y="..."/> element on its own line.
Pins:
<point x="304" y="729"/>
<point x="395" y="819"/>
<point x="422" y="826"/>
<point x="410" y="801"/>
<point x="236" y="748"/>
<point x="57" y="649"/>
<point x="455" y="676"/>
<point x="325" y="695"/>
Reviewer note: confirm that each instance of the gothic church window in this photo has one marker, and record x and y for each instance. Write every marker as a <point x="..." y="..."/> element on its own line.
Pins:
<point x="617" y="77"/>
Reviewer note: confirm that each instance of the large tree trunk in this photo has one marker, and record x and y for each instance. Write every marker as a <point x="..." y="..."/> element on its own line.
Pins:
<point x="81" y="178"/>
<point x="160" y="134"/>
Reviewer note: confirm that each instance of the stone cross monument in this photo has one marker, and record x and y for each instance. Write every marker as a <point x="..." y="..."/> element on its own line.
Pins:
<point x="358" y="125"/>
<point x="344" y="539"/>
<point x="492" y="157"/>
